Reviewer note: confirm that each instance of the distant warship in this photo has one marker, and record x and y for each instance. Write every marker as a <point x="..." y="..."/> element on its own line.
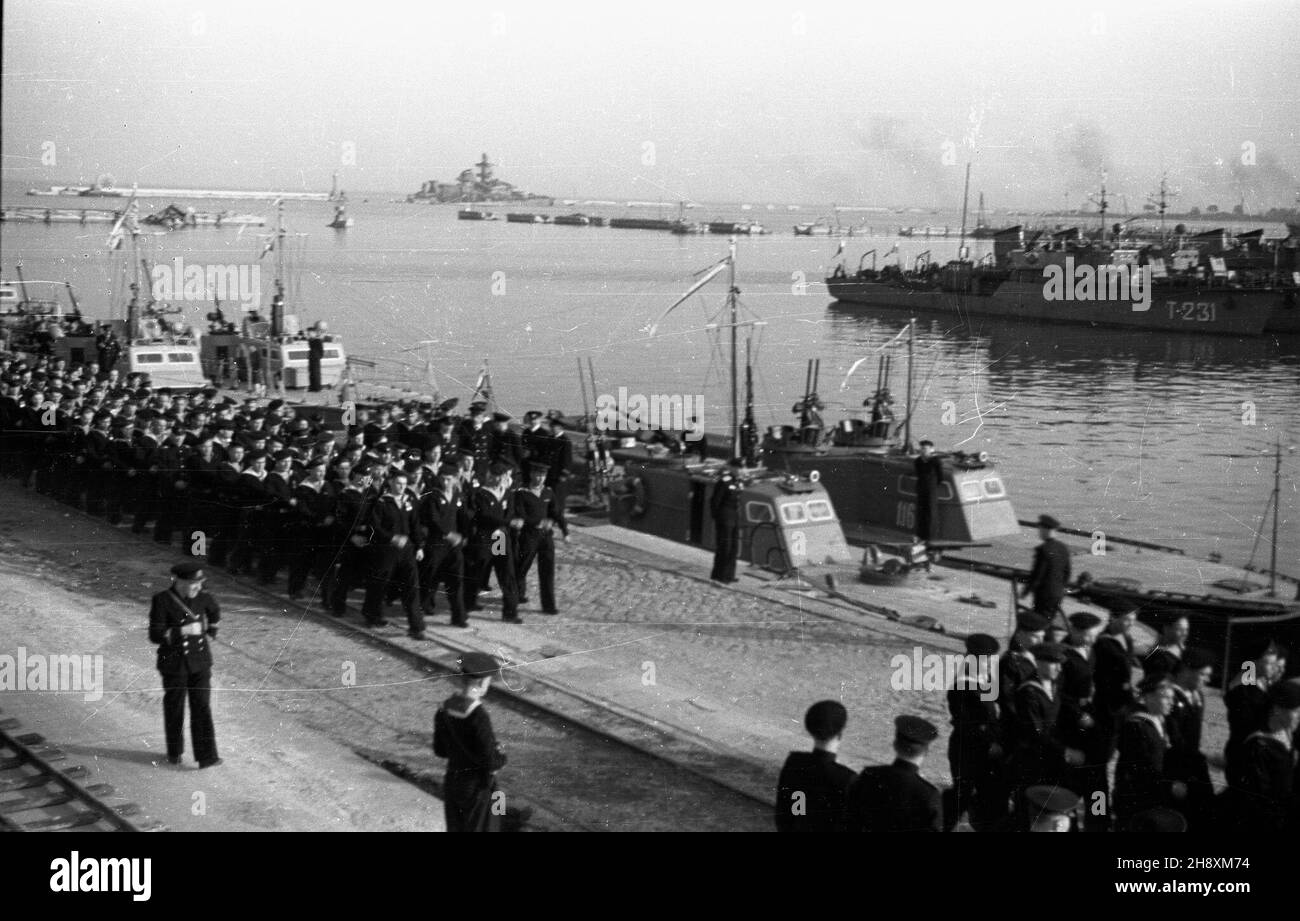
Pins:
<point x="472" y="187"/>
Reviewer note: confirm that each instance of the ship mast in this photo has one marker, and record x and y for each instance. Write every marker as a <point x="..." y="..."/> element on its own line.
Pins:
<point x="1277" y="503"/>
<point x="965" y="199"/>
<point x="1161" y="201"/>
<point x="731" y="305"/>
<point x="1102" y="205"/>
<point x="277" y="302"/>
<point x="133" y="305"/>
<point x="907" y="423"/>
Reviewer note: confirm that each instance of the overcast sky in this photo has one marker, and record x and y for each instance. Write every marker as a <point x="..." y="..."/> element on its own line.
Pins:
<point x="763" y="102"/>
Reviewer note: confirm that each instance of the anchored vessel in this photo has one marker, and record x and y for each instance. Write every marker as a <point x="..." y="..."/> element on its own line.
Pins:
<point x="1074" y="282"/>
<point x="787" y="521"/>
<point x="1208" y="284"/>
<point x="867" y="464"/>
<point x="277" y="350"/>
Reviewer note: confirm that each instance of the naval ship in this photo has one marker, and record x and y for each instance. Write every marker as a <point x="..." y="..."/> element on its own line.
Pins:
<point x="1065" y="279"/>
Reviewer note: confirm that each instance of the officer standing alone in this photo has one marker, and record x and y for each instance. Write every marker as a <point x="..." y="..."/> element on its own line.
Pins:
<point x="181" y="620"/>
<point x="1051" y="572"/>
<point x="725" y="506"/>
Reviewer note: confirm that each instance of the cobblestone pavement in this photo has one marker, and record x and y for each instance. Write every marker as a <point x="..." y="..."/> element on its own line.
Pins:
<point x="641" y="627"/>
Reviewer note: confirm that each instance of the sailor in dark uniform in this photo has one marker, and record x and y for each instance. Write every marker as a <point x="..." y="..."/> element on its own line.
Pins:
<point x="929" y="474"/>
<point x="1163" y="659"/>
<point x="1264" y="800"/>
<point x="462" y="733"/>
<point x="725" y="506"/>
<point x="1041" y="755"/>
<point x="172" y="486"/>
<point x="536" y="438"/>
<point x="1112" y="681"/>
<point x="476" y="438"/>
<point x="351" y="535"/>
<point x="443" y="521"/>
<point x="491" y="543"/>
<point x="505" y="445"/>
<point x="895" y="797"/>
<point x="812" y="788"/>
<point x="1051" y="572"/>
<point x="1015" y="668"/>
<point x="975" y="752"/>
<point x="1185" y="760"/>
<point x="181" y="620"/>
<point x="1077" y="725"/>
<point x="1142" y="777"/>
<point x="313" y="528"/>
<point x="560" y="461"/>
<point x="1246" y="697"/>
<point x="393" y="556"/>
<point x="535" y="539"/>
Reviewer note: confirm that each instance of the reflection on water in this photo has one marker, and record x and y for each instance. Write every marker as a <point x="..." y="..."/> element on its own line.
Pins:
<point x="1139" y="435"/>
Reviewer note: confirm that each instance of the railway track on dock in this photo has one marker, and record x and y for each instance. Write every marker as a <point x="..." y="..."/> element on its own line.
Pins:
<point x="39" y="792"/>
<point x="587" y="764"/>
<point x="577" y="762"/>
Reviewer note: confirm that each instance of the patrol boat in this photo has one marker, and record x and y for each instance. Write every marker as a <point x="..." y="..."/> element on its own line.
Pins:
<point x="156" y="339"/>
<point x="274" y="352"/>
<point x="867" y="465"/>
<point x="787" y="521"/>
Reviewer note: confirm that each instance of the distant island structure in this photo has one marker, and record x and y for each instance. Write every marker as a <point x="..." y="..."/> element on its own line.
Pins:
<point x="471" y="187"/>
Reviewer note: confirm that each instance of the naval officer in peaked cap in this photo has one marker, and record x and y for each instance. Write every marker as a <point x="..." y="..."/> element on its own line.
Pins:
<point x="182" y="620"/>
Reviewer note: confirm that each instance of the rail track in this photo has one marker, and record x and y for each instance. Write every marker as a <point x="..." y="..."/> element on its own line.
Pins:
<point x="38" y="793"/>
<point x="578" y="762"/>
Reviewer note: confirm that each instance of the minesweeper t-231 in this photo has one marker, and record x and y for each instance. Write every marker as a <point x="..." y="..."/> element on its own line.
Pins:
<point x="1188" y="285"/>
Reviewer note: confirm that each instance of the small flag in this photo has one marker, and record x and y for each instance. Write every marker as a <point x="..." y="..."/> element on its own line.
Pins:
<point x="270" y="246"/>
<point x="839" y="249"/>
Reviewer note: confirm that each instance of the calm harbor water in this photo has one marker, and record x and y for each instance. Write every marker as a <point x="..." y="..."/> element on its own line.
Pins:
<point x="1141" y="437"/>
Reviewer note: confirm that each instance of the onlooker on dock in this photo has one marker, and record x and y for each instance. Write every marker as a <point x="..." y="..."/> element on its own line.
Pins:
<point x="1051" y="572"/>
<point x="895" y="797"/>
<point x="811" y="790"/>
<point x="976" y="754"/>
<point x="462" y="733"/>
<point x="725" y="507"/>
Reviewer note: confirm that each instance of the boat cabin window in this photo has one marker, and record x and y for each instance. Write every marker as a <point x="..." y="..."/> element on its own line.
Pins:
<point x="180" y="357"/>
<point x="793" y="513"/>
<point x="331" y="353"/>
<point x="993" y="487"/>
<point x="907" y="486"/>
<point x="820" y="510"/>
<point x="758" y="512"/>
<point x="970" y="490"/>
<point x="148" y="358"/>
<point x="297" y="355"/>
